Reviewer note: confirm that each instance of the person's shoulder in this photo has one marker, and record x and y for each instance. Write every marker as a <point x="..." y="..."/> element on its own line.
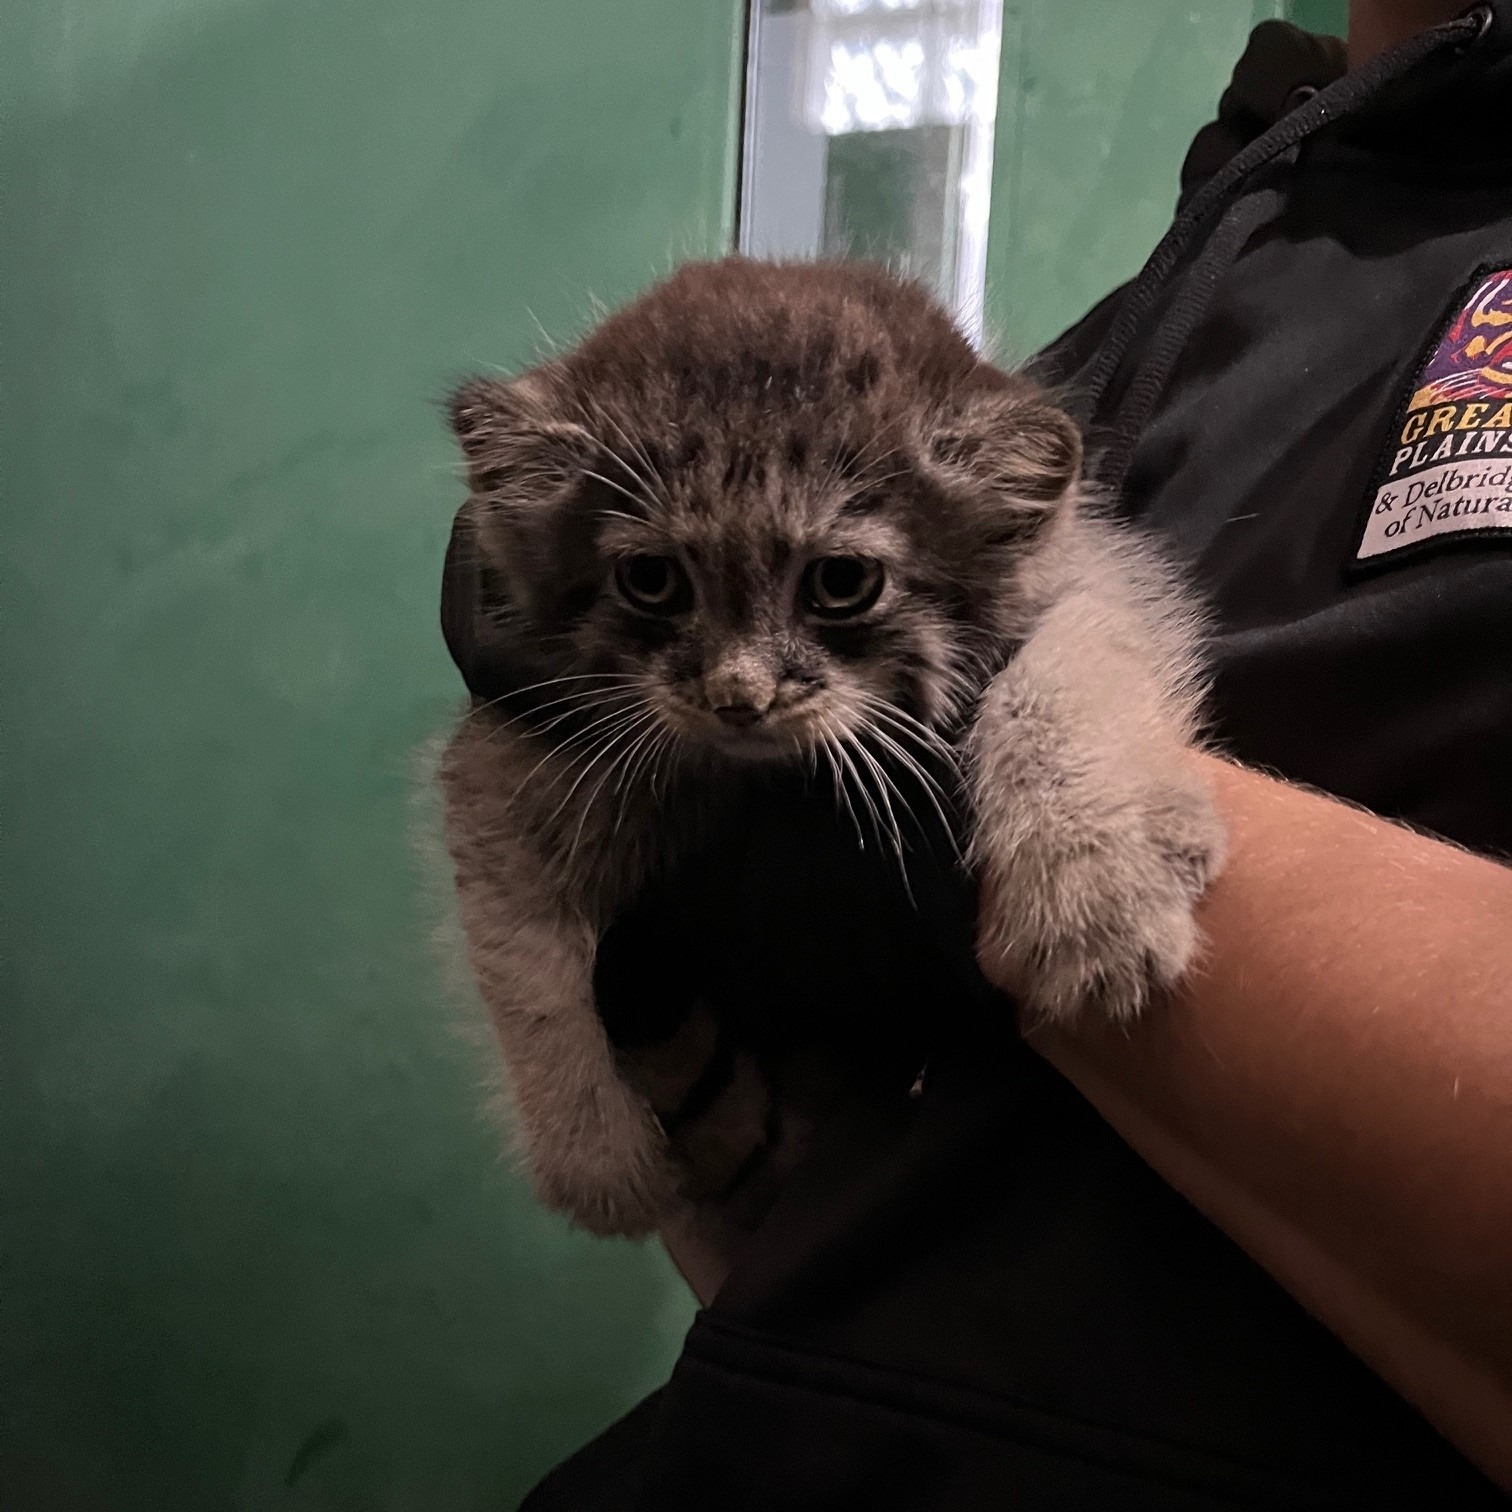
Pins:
<point x="1281" y="66"/>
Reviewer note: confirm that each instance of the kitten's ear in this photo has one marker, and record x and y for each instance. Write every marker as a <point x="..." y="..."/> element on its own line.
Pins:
<point x="520" y="457"/>
<point x="1012" y="441"/>
<point x="512" y="436"/>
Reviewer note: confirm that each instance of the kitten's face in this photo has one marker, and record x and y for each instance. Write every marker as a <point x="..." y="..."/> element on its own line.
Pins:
<point x="759" y="531"/>
<point x="767" y="619"/>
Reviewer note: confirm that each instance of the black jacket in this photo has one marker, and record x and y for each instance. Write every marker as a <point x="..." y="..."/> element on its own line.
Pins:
<point x="981" y="1298"/>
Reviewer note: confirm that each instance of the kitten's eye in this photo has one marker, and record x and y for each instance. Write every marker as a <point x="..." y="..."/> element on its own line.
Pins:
<point x="837" y="587"/>
<point x="656" y="584"/>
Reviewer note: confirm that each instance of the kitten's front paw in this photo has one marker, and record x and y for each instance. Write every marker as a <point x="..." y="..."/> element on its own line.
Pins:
<point x="605" y="1163"/>
<point x="1103" y="918"/>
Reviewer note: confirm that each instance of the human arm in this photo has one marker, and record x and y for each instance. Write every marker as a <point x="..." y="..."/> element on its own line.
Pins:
<point x="1333" y="1087"/>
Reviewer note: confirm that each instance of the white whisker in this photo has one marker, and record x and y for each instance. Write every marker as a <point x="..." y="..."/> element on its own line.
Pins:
<point x="639" y="452"/>
<point x="884" y="784"/>
<point x="551" y="682"/>
<point x="631" y="764"/>
<point x="844" y="757"/>
<point x="938" y="799"/>
<point x="619" y="488"/>
<point x="488" y="705"/>
<point x="615" y="718"/>
<point x="635" y="759"/>
<point x="671" y="753"/>
<point x="900" y="472"/>
<point x="618" y="514"/>
<point x="635" y="734"/>
<point x="827" y="745"/>
<point x="639" y="479"/>
<point x="566" y="714"/>
<point x="906" y="724"/>
<point x="628" y="727"/>
<point x="578" y="702"/>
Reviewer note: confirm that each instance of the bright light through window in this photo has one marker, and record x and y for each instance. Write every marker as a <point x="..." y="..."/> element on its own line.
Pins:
<point x="869" y="130"/>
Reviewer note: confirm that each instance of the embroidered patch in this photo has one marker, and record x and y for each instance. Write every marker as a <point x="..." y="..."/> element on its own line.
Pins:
<point x="1447" y="474"/>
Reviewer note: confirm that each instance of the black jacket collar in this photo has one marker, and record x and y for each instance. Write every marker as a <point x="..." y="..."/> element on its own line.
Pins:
<point x="1453" y="107"/>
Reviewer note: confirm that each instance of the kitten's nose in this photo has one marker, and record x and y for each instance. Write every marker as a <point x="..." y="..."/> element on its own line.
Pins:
<point x="740" y="687"/>
<point x="741" y="715"/>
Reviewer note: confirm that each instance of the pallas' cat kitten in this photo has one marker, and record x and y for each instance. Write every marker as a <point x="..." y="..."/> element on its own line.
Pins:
<point x="784" y="517"/>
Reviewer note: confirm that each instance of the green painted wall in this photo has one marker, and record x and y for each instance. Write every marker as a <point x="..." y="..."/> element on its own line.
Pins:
<point x="1097" y="103"/>
<point x="247" y="1194"/>
<point x="247" y="1203"/>
<point x="1330" y="16"/>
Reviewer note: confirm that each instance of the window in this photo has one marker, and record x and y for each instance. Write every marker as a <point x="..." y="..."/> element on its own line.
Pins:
<point x="868" y="133"/>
